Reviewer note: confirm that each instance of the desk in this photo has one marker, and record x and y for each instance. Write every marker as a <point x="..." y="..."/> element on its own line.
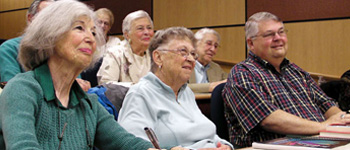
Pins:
<point x="203" y="102"/>
<point x="202" y="96"/>
<point x="345" y="147"/>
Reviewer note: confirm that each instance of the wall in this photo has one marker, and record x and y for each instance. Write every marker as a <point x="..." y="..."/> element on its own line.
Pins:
<point x="12" y="17"/>
<point x="318" y="29"/>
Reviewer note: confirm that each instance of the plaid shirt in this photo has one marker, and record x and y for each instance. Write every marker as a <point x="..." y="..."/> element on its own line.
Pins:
<point x="254" y="90"/>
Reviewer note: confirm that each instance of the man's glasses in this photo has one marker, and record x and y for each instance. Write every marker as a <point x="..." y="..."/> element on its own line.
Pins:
<point x="271" y="35"/>
<point x="183" y="52"/>
<point x="211" y="43"/>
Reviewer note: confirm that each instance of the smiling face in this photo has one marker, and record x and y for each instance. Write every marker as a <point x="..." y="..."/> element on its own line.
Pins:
<point x="104" y="22"/>
<point x="176" y="67"/>
<point x="78" y="44"/>
<point x="141" y="32"/>
<point x="269" y="48"/>
<point x="207" y="48"/>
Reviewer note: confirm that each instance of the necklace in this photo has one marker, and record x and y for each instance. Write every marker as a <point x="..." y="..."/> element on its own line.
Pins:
<point x="60" y="134"/>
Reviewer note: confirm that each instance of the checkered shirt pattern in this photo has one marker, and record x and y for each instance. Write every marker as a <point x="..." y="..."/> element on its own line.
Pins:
<point x="254" y="90"/>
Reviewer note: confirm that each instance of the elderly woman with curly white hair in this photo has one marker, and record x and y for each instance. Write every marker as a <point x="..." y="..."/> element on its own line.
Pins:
<point x="45" y="108"/>
<point x="161" y="100"/>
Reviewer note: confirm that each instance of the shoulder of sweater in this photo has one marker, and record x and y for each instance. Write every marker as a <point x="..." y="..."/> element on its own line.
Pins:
<point x="23" y="84"/>
<point x="13" y="40"/>
<point x="11" y="44"/>
<point x="24" y="78"/>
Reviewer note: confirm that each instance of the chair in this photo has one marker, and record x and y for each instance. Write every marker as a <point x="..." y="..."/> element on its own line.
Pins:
<point x="217" y="112"/>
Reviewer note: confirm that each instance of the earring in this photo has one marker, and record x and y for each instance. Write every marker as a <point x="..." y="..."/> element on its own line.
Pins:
<point x="160" y="66"/>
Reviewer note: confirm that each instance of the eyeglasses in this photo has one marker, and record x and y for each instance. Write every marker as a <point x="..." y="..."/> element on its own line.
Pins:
<point x="183" y="52"/>
<point x="211" y="43"/>
<point x="101" y="22"/>
<point x="271" y="35"/>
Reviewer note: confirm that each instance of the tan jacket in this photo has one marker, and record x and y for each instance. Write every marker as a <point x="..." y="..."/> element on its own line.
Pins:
<point x="215" y="73"/>
<point x="120" y="64"/>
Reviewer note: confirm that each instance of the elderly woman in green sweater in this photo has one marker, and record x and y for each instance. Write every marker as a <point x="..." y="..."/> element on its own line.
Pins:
<point x="45" y="108"/>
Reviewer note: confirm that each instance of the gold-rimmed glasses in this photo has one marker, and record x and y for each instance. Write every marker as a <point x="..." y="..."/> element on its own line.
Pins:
<point x="183" y="52"/>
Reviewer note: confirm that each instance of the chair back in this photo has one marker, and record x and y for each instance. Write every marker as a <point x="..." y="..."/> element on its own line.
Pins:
<point x="217" y="113"/>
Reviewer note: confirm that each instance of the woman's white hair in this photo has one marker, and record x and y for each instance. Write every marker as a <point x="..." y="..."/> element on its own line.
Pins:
<point x="48" y="27"/>
<point x="132" y="17"/>
<point x="200" y="34"/>
<point x="165" y="36"/>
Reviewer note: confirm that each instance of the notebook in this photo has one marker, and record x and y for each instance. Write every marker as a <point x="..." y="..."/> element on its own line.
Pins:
<point x="304" y="143"/>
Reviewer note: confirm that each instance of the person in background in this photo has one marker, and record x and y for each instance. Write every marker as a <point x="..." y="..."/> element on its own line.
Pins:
<point x="105" y="20"/>
<point x="268" y="97"/>
<point x="9" y="49"/>
<point x="128" y="61"/>
<point x="207" y="74"/>
<point x="162" y="101"/>
<point x="45" y="108"/>
<point x="9" y="66"/>
<point x="339" y="90"/>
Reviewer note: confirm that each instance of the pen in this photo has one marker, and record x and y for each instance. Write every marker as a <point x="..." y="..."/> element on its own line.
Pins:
<point x="152" y="137"/>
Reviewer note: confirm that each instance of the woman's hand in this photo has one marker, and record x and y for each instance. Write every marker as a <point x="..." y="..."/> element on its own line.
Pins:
<point x="223" y="146"/>
<point x="84" y="84"/>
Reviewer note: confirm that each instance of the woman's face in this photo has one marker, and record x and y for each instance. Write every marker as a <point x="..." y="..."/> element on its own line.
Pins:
<point x="175" y="66"/>
<point x="104" y="22"/>
<point x="78" y="45"/>
<point x="141" y="32"/>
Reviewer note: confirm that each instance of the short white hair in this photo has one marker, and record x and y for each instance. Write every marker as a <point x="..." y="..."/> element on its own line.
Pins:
<point x="252" y="24"/>
<point x="200" y="34"/>
<point x="133" y="16"/>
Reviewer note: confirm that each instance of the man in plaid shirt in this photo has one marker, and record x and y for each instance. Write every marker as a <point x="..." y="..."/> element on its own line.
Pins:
<point x="267" y="97"/>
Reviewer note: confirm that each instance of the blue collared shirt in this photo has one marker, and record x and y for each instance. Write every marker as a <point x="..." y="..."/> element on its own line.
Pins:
<point x="201" y="72"/>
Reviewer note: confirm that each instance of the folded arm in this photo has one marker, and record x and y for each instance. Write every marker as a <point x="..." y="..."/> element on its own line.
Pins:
<point x="285" y="123"/>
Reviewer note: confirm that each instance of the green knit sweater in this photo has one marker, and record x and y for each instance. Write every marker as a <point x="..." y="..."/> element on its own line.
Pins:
<point x="31" y="119"/>
<point x="8" y="59"/>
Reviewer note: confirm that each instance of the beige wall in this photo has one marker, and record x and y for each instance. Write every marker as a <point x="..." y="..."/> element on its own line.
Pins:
<point x="320" y="46"/>
<point x="207" y="13"/>
<point x="316" y="46"/>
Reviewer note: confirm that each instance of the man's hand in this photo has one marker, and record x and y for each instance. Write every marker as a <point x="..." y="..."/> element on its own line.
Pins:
<point x="339" y="118"/>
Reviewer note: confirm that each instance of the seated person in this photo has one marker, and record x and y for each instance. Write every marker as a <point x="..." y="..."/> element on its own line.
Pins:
<point x="267" y="96"/>
<point x="339" y="90"/>
<point x="207" y="74"/>
<point x="105" y="20"/>
<point x="346" y="76"/>
<point x="128" y="61"/>
<point x="45" y="108"/>
<point x="162" y="101"/>
<point x="9" y="49"/>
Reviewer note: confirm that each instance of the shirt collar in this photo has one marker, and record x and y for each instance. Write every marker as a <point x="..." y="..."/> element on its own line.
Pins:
<point x="199" y="66"/>
<point x="159" y="83"/>
<point x="265" y="63"/>
<point x="43" y="76"/>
